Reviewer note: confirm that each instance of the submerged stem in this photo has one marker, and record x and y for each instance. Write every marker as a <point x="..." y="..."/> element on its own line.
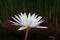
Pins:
<point x="26" y="35"/>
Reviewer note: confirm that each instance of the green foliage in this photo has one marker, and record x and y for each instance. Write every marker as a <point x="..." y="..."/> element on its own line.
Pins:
<point x="46" y="8"/>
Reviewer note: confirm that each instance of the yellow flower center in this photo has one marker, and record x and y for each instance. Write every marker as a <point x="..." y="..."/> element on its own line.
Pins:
<point x="27" y="27"/>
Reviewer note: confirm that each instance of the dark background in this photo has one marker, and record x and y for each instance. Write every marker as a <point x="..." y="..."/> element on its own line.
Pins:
<point x="49" y="9"/>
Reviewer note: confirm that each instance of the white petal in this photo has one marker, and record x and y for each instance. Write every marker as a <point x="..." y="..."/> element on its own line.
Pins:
<point x="39" y="22"/>
<point x="38" y="18"/>
<point x="35" y="21"/>
<point x="22" y="18"/>
<point x="22" y="28"/>
<point x="21" y="14"/>
<point x="15" y="19"/>
<point x="19" y="17"/>
<point x="14" y="23"/>
<point x="33" y="15"/>
<point x="29" y="19"/>
<point x="33" y="18"/>
<point x="41" y="27"/>
<point x="25" y="19"/>
<point x="25" y="15"/>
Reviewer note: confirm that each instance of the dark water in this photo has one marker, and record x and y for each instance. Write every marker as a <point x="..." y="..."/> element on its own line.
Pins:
<point x="33" y="35"/>
<point x="8" y="35"/>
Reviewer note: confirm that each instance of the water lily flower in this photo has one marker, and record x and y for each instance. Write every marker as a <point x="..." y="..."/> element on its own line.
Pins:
<point x="27" y="21"/>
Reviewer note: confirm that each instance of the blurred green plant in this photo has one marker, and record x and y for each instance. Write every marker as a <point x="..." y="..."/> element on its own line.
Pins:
<point x="49" y="9"/>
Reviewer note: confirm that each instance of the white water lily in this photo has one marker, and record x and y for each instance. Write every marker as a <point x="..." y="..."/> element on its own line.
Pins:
<point x="31" y="21"/>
